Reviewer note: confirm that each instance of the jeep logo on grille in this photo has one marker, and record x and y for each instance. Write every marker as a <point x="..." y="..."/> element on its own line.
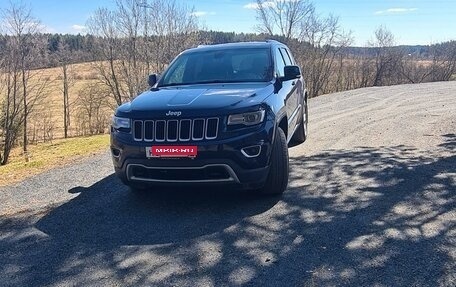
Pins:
<point x="171" y="113"/>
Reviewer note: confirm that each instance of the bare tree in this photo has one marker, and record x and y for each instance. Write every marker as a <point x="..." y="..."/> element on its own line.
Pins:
<point x="22" y="50"/>
<point x="387" y="57"/>
<point x="283" y="18"/>
<point x="13" y="114"/>
<point x="42" y="126"/>
<point x="3" y="103"/>
<point x="132" y="69"/>
<point x="103" y="25"/>
<point x="316" y="41"/>
<point x="92" y="109"/>
<point x="444" y="61"/>
<point x="134" y="34"/>
<point x="65" y="59"/>
<point x="361" y="69"/>
<point x="173" y="29"/>
<point x="323" y="40"/>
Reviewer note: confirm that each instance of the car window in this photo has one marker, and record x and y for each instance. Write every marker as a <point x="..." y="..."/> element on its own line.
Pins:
<point x="286" y="57"/>
<point x="224" y="65"/>
<point x="280" y="63"/>
<point x="177" y="71"/>
<point x="291" y="56"/>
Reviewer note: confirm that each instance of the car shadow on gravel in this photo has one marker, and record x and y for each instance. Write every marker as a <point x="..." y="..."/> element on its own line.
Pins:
<point x="107" y="216"/>
<point x="359" y="217"/>
<point x="108" y="213"/>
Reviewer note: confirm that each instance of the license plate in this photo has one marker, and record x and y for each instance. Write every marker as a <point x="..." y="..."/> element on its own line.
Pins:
<point x="171" y="151"/>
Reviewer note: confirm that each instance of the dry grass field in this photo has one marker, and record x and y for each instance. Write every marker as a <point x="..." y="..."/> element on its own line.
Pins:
<point x="47" y="147"/>
<point x="46" y="121"/>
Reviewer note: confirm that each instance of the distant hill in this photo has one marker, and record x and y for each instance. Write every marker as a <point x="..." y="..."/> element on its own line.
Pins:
<point x="419" y="51"/>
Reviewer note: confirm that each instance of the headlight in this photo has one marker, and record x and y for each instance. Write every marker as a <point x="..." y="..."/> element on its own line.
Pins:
<point x="247" y="119"/>
<point x="120" y="123"/>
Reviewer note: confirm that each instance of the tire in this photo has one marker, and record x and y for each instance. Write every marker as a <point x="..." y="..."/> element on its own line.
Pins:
<point x="277" y="179"/>
<point x="300" y="135"/>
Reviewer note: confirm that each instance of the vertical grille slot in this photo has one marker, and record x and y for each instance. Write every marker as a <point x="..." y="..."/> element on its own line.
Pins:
<point x="198" y="129"/>
<point x="175" y="130"/>
<point x="185" y="130"/>
<point x="138" y="130"/>
<point x="212" y="128"/>
<point x="172" y="132"/>
<point x="148" y="130"/>
<point x="160" y="131"/>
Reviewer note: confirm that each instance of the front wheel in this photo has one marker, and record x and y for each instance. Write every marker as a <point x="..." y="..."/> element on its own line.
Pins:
<point x="277" y="179"/>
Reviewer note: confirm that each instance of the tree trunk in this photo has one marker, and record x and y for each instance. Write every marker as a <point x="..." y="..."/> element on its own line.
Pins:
<point x="66" y="112"/>
<point x="24" y="93"/>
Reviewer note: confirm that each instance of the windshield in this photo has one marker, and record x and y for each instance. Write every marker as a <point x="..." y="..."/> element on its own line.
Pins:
<point x="220" y="66"/>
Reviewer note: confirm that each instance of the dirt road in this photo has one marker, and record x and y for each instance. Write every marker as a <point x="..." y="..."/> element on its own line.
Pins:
<point x="371" y="202"/>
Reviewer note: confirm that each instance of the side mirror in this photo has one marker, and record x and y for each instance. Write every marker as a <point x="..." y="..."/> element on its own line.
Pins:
<point x="152" y="80"/>
<point x="291" y="73"/>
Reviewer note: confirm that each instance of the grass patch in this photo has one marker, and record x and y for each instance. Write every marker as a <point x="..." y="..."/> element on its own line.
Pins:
<point x="45" y="156"/>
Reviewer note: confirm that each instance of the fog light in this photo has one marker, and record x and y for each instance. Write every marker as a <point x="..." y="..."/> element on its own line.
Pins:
<point x="251" y="151"/>
<point x="115" y="152"/>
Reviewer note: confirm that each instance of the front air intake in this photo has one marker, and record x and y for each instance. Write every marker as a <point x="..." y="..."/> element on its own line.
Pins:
<point x="175" y="130"/>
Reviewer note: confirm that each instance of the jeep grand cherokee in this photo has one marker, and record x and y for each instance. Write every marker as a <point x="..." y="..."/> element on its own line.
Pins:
<point x="219" y="114"/>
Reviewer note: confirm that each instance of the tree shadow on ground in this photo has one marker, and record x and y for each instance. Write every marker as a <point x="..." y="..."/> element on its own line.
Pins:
<point x="368" y="216"/>
<point x="450" y="142"/>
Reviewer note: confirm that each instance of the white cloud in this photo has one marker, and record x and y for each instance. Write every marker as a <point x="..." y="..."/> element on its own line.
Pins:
<point x="396" y="11"/>
<point x="79" y="28"/>
<point x="255" y="6"/>
<point x="202" y="13"/>
<point x="251" y="6"/>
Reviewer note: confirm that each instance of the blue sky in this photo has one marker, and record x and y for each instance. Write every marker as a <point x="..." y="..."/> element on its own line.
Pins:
<point x="411" y="21"/>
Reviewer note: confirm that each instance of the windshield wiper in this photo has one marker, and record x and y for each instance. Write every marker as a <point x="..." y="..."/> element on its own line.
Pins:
<point x="200" y="83"/>
<point x="211" y="82"/>
<point x="171" y="85"/>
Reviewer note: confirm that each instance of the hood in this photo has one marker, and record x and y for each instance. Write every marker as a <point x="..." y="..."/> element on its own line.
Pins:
<point x="196" y="100"/>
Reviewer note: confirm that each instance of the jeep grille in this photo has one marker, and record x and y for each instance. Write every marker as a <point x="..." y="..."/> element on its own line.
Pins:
<point x="175" y="130"/>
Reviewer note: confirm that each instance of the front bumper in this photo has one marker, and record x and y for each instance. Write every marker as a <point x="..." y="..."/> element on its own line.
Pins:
<point x="218" y="161"/>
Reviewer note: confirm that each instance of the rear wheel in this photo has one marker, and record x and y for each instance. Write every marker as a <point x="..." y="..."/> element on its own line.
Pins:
<point x="277" y="179"/>
<point x="300" y="135"/>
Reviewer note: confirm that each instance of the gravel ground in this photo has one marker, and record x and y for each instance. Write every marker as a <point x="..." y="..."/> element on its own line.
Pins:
<point x="371" y="202"/>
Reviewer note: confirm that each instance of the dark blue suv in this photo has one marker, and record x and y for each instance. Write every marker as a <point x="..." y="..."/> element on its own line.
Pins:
<point x="219" y="114"/>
